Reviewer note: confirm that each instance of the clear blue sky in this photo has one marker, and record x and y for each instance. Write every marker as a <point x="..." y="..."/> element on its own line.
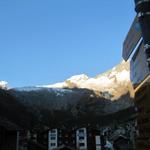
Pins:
<point x="47" y="41"/>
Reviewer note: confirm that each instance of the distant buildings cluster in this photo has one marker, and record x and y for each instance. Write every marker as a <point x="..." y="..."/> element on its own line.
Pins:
<point x="83" y="138"/>
<point x="89" y="138"/>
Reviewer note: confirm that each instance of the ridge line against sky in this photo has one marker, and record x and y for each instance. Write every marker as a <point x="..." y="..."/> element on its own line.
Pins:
<point x="44" y="42"/>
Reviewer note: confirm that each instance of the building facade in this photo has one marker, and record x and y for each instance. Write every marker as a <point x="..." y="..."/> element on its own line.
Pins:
<point x="81" y="139"/>
<point x="52" y="139"/>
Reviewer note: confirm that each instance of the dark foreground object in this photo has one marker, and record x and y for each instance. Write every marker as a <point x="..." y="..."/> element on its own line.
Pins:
<point x="142" y="100"/>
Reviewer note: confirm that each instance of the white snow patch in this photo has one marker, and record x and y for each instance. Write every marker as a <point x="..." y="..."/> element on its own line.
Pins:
<point x="28" y="89"/>
<point x="60" y="90"/>
<point x="78" y="78"/>
<point x="3" y="84"/>
<point x="56" y="85"/>
<point x="123" y="76"/>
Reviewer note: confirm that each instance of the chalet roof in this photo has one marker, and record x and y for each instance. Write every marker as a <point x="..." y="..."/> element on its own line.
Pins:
<point x="120" y="136"/>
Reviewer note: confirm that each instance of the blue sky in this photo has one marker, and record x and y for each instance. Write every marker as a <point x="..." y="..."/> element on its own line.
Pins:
<point x="47" y="41"/>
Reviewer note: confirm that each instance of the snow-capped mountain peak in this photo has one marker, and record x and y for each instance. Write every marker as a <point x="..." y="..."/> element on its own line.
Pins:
<point x="3" y="85"/>
<point x="72" y="81"/>
<point x="115" y="81"/>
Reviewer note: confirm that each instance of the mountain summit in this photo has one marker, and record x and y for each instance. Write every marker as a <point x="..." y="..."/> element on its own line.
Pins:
<point x="115" y="82"/>
<point x="74" y="100"/>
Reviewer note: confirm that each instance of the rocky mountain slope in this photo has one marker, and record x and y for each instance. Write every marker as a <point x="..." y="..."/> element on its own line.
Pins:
<point x="79" y="97"/>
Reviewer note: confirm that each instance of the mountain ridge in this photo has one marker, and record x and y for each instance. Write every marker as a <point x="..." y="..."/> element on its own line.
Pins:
<point x="115" y="81"/>
<point x="79" y="98"/>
